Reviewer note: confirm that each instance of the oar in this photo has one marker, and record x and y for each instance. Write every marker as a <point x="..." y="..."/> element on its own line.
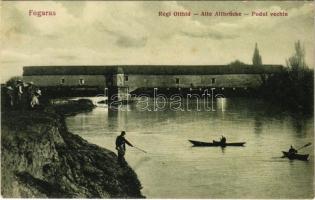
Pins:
<point x="140" y="149"/>
<point x="306" y="145"/>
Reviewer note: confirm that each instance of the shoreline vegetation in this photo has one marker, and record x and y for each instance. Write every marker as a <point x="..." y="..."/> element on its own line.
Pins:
<point x="293" y="89"/>
<point x="42" y="159"/>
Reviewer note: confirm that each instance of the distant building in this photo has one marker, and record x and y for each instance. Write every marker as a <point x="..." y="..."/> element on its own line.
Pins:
<point x="149" y="76"/>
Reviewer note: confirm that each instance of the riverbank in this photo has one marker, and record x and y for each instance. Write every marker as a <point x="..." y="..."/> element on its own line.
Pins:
<point x="42" y="159"/>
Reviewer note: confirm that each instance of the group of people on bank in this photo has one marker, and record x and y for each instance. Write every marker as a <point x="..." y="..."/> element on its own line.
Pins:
<point x="22" y="95"/>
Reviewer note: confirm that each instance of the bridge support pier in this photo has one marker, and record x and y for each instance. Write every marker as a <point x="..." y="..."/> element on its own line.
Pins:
<point x="117" y="92"/>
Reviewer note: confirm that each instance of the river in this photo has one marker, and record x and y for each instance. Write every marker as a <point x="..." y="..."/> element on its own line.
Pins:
<point x="172" y="168"/>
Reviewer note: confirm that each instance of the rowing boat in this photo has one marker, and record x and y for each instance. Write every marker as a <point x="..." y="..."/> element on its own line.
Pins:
<point x="295" y="156"/>
<point x="215" y="144"/>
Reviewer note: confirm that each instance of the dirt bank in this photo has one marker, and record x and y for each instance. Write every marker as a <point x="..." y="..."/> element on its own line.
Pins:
<point x="41" y="158"/>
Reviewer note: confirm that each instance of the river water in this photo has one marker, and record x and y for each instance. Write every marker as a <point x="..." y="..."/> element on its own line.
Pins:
<point x="172" y="168"/>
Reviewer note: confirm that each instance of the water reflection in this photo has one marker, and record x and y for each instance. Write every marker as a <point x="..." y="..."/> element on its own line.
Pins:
<point x="223" y="149"/>
<point x="112" y="119"/>
<point x="118" y="118"/>
<point x="299" y="123"/>
<point x="258" y="124"/>
<point x="221" y="103"/>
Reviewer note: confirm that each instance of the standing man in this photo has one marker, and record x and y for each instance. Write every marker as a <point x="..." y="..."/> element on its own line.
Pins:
<point x="19" y="92"/>
<point x="10" y="94"/>
<point x="35" y="102"/>
<point x="121" y="147"/>
<point x="30" y="90"/>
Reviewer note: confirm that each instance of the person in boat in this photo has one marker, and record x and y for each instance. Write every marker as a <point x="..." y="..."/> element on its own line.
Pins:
<point x="121" y="142"/>
<point x="223" y="140"/>
<point x="292" y="150"/>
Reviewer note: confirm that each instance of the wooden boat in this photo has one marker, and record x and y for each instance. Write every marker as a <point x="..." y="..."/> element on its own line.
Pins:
<point x="215" y="144"/>
<point x="295" y="156"/>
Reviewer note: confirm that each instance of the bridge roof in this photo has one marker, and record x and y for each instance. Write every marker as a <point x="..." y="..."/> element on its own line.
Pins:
<point x="151" y="69"/>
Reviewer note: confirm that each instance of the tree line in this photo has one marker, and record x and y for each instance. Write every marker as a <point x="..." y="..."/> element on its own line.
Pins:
<point x="294" y="87"/>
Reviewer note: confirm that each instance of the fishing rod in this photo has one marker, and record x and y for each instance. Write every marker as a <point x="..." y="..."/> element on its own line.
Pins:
<point x="140" y="149"/>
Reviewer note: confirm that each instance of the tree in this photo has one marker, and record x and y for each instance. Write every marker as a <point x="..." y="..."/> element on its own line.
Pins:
<point x="256" y="57"/>
<point x="257" y="62"/>
<point x="297" y="61"/>
<point x="237" y="63"/>
<point x="301" y="78"/>
<point x="295" y="86"/>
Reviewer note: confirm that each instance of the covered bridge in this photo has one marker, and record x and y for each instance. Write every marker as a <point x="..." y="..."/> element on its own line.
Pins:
<point x="149" y="76"/>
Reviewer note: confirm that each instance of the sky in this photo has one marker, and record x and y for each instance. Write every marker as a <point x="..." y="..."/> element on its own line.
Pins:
<point x="122" y="33"/>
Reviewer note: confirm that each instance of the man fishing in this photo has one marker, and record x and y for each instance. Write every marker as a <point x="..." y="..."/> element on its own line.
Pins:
<point x="121" y="147"/>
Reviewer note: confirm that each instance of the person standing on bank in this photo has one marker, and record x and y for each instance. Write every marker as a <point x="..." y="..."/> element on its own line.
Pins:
<point x="19" y="92"/>
<point x="121" y="142"/>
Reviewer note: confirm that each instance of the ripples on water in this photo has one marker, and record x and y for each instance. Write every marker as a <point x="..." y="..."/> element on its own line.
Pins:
<point x="172" y="168"/>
